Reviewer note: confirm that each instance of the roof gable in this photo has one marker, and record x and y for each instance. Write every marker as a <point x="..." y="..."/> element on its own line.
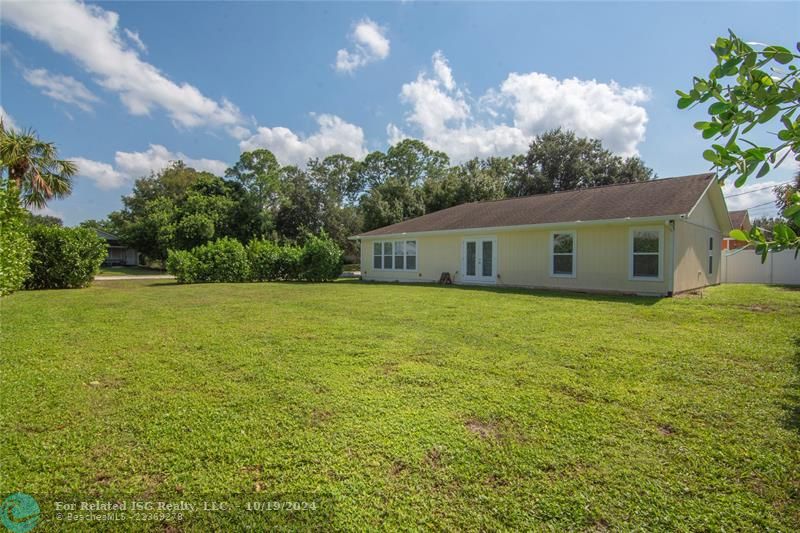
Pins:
<point x="663" y="197"/>
<point x="740" y="220"/>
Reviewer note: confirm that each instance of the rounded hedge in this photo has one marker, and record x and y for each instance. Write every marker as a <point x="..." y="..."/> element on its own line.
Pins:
<point x="264" y="259"/>
<point x="15" y="246"/>
<point x="183" y="265"/>
<point x="226" y="260"/>
<point x="289" y="266"/>
<point x="223" y="260"/>
<point x="321" y="260"/>
<point x="64" y="258"/>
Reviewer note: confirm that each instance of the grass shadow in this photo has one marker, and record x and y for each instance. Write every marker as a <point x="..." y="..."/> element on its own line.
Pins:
<point x="789" y="287"/>
<point x="792" y="398"/>
<point x="543" y="293"/>
<point x="522" y="291"/>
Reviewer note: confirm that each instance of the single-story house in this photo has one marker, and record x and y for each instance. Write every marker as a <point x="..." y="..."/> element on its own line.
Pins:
<point x="739" y="220"/>
<point x="658" y="237"/>
<point x="118" y="253"/>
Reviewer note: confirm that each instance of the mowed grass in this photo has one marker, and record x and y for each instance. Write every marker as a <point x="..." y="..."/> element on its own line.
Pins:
<point x="409" y="407"/>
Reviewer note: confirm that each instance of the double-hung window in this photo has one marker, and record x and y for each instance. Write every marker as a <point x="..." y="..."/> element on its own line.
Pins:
<point x="562" y="254"/>
<point x="647" y="250"/>
<point x="394" y="255"/>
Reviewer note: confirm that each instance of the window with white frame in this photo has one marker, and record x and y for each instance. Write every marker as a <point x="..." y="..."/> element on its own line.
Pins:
<point x="711" y="255"/>
<point x="394" y="255"/>
<point x="562" y="254"/>
<point x="647" y="248"/>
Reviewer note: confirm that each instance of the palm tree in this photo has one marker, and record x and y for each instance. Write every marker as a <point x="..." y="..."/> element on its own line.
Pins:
<point x="34" y="166"/>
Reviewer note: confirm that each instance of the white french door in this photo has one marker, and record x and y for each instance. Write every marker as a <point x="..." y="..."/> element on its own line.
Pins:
<point x="479" y="260"/>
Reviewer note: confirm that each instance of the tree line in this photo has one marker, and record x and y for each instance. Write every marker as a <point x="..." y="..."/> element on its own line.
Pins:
<point x="180" y="207"/>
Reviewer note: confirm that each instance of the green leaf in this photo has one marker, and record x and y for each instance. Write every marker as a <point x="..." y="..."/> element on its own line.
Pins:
<point x="702" y="125"/>
<point x="739" y="235"/>
<point x="790" y="211"/>
<point x="764" y="170"/>
<point x="779" y="53"/>
<point x="718" y="107"/>
<point x="711" y="130"/>
<point x="768" y="113"/>
<point x="684" y="102"/>
<point x="710" y="155"/>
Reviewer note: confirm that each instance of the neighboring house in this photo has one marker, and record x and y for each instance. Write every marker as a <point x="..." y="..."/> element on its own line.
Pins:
<point x="739" y="220"/>
<point x="657" y="237"/>
<point x="118" y="253"/>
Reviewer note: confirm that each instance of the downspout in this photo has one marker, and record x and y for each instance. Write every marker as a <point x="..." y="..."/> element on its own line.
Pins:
<point x="671" y="287"/>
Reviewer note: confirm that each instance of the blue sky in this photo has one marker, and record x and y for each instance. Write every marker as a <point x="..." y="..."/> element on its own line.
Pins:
<point x="124" y="87"/>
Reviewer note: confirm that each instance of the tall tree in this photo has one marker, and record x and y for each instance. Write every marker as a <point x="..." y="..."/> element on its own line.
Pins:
<point x="44" y="220"/>
<point x="390" y="202"/>
<point x="474" y="181"/>
<point x="558" y="160"/>
<point x="302" y="205"/>
<point x="33" y="165"/>
<point x="178" y="208"/>
<point x="259" y="173"/>
<point x="395" y="180"/>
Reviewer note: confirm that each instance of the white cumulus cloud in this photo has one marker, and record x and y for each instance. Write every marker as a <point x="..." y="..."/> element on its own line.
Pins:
<point x="333" y="136"/>
<point x="133" y="37"/>
<point x="157" y="157"/>
<point x="8" y="122"/>
<point x="103" y="175"/>
<point x="447" y="119"/>
<point x="90" y="35"/>
<point x="369" y="44"/>
<point x="605" y="111"/>
<point x="442" y="69"/>
<point x="131" y="165"/>
<point x="60" y="87"/>
<point x="755" y="193"/>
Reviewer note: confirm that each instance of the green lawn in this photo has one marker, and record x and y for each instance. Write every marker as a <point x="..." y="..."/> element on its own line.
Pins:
<point x="129" y="271"/>
<point x="407" y="406"/>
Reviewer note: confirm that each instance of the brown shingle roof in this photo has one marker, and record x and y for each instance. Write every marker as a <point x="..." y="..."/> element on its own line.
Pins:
<point x="737" y="219"/>
<point x="662" y="197"/>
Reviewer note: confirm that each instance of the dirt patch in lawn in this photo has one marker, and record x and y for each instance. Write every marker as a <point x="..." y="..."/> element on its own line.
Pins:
<point x="759" y="308"/>
<point x="434" y="457"/>
<point x="483" y="429"/>
<point x="666" y="429"/>
<point x="319" y="417"/>
<point x="397" y="468"/>
<point x="107" y="383"/>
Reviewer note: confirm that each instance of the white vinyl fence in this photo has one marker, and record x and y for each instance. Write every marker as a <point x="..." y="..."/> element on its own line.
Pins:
<point x="745" y="266"/>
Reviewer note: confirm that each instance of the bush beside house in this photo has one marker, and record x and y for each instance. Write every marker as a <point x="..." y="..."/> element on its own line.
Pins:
<point x="321" y="260"/>
<point x="64" y="258"/>
<point x="15" y="246"/>
<point x="226" y="260"/>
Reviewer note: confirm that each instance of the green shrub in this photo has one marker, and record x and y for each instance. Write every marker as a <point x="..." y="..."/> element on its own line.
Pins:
<point x="183" y="265"/>
<point x="224" y="260"/>
<point x="289" y="262"/>
<point x="64" y="258"/>
<point x="264" y="259"/>
<point x="15" y="246"/>
<point x="321" y="259"/>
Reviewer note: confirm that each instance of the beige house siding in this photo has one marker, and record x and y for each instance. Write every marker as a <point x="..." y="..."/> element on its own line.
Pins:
<point x="602" y="259"/>
<point x="692" y="245"/>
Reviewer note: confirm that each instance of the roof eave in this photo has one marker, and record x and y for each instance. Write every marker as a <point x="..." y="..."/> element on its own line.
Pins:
<point x="521" y="227"/>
